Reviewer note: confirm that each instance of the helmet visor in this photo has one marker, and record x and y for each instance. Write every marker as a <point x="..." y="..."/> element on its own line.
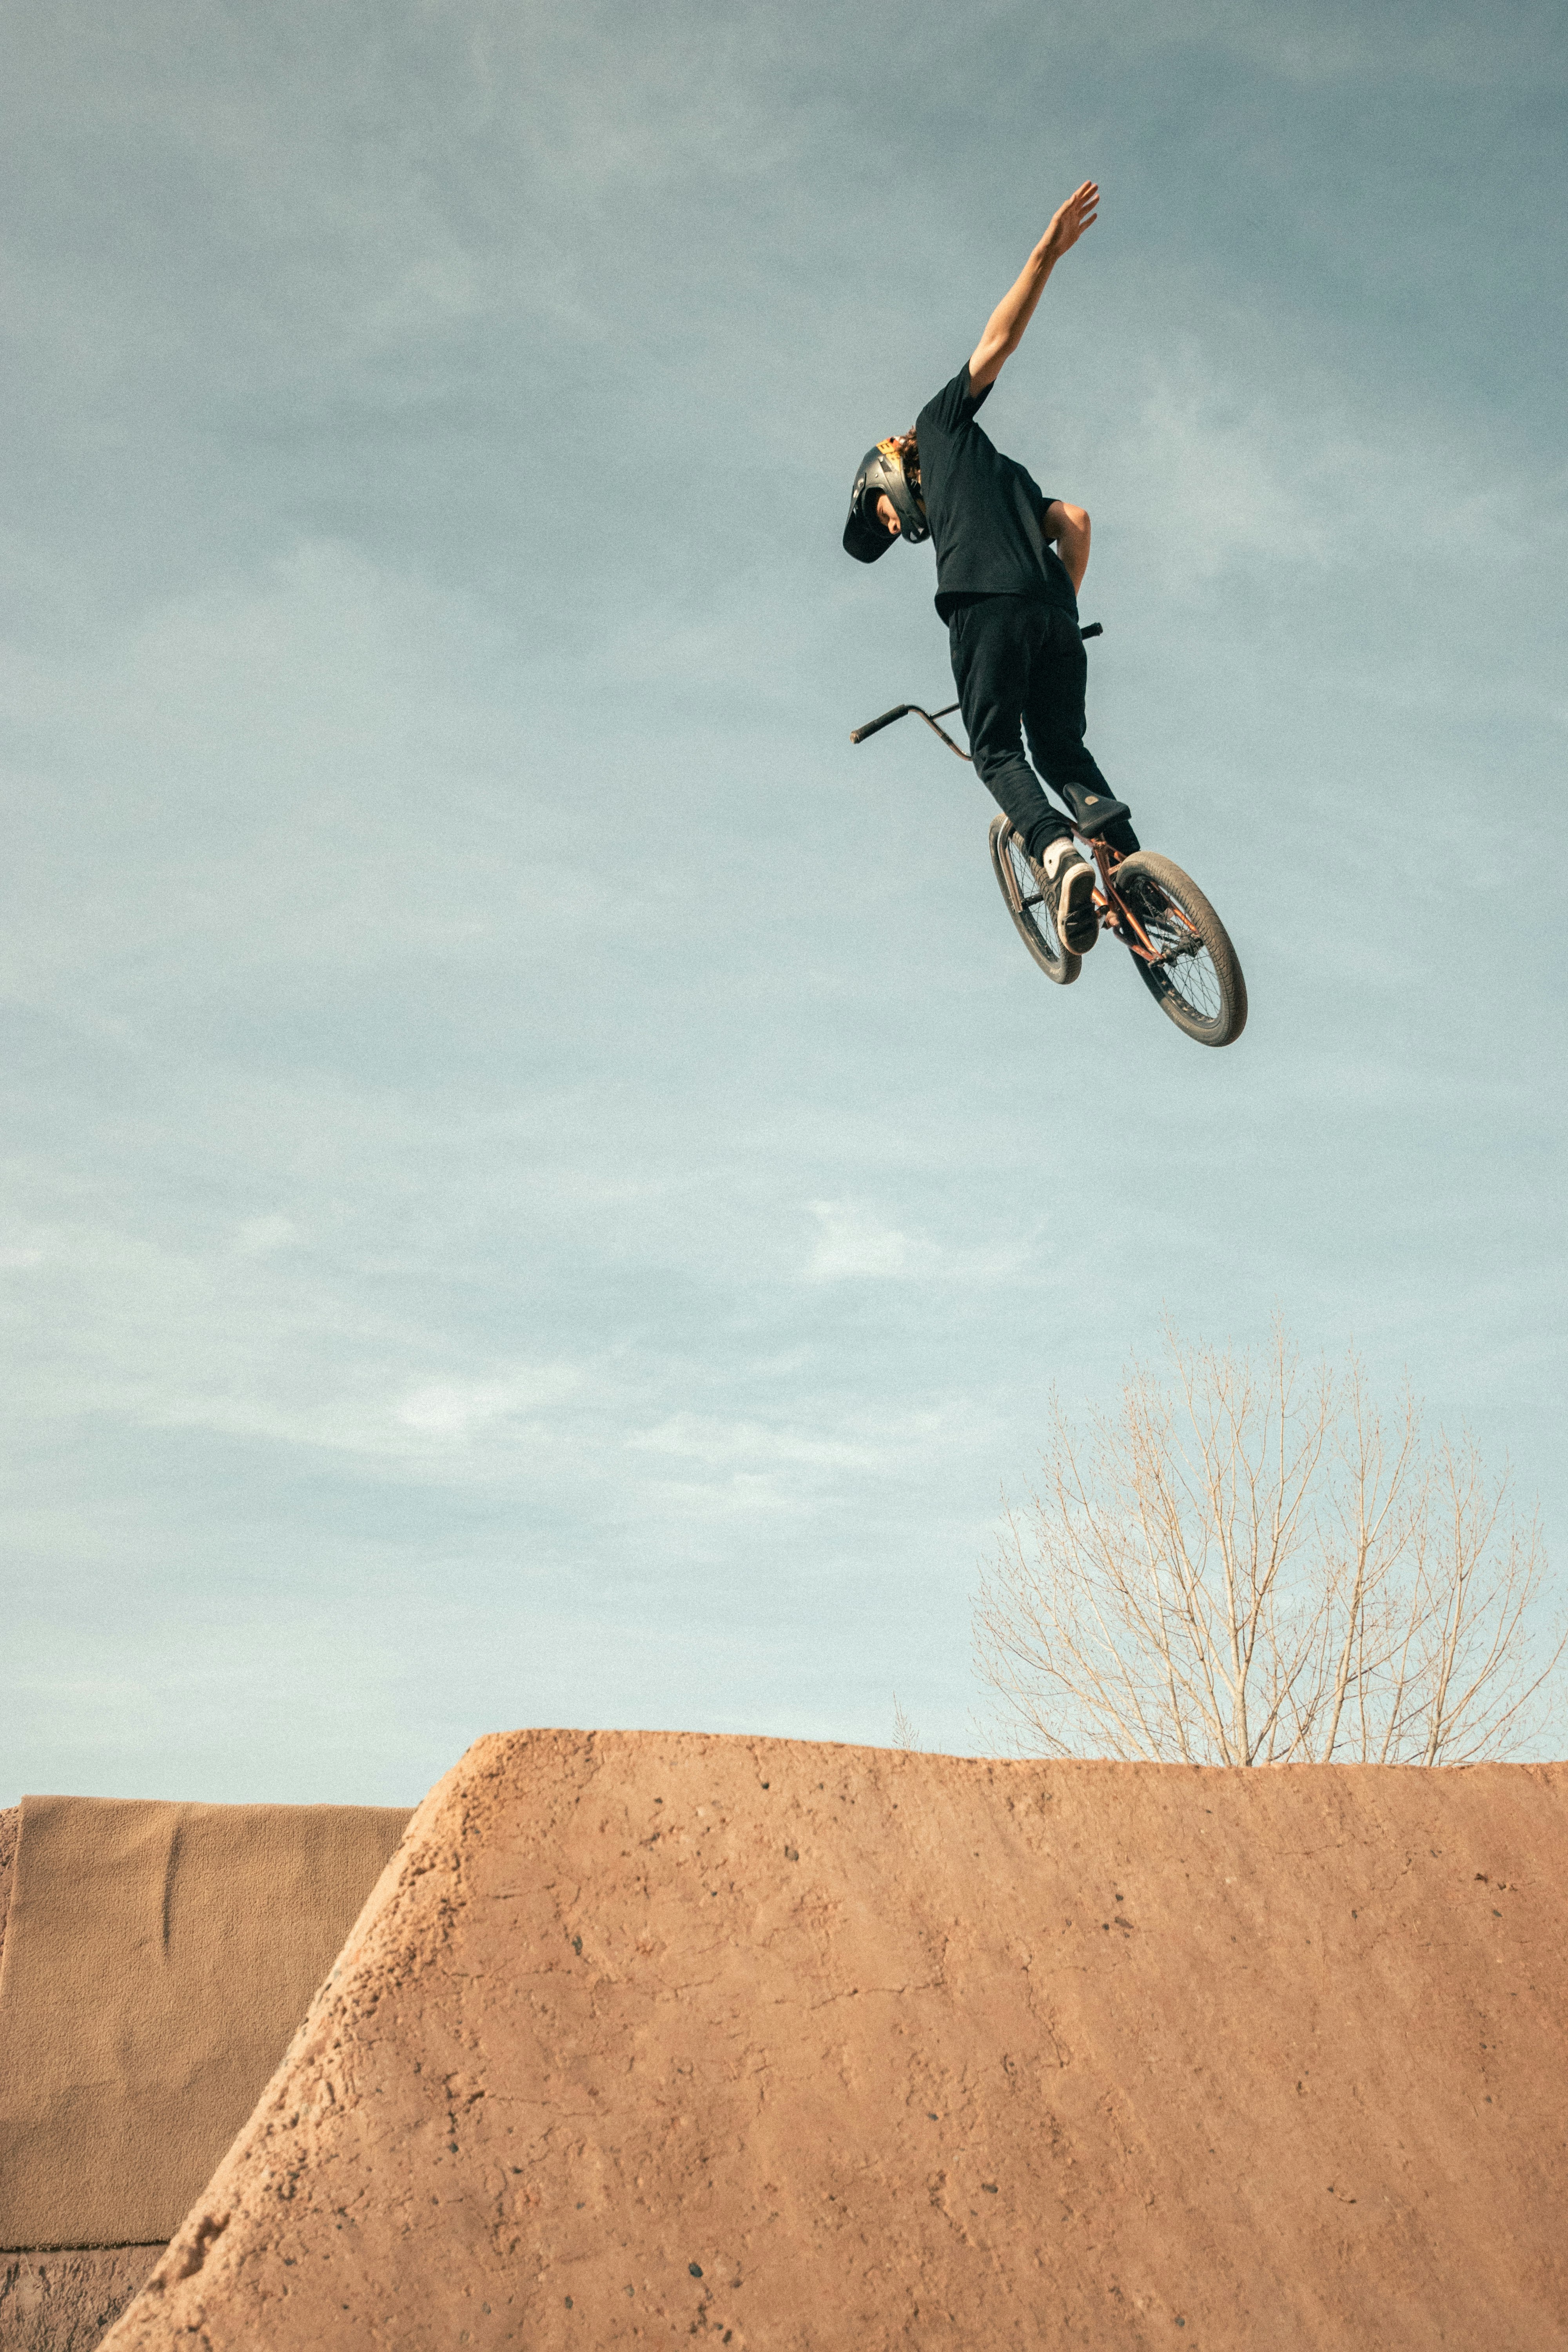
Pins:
<point x="865" y="537"/>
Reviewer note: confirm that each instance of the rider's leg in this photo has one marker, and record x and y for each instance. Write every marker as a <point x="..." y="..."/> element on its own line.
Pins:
<point x="992" y="642"/>
<point x="1055" y="720"/>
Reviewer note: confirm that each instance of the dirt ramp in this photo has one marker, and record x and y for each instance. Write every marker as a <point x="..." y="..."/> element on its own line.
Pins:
<point x="653" y="2036"/>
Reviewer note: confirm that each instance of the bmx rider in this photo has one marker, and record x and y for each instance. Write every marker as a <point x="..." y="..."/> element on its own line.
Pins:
<point x="1009" y="563"/>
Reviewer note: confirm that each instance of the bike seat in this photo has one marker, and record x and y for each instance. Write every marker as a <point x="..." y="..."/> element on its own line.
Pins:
<point x="1092" y="812"/>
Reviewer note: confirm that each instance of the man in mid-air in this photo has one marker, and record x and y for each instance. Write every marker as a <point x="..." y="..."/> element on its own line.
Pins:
<point x="1009" y="563"/>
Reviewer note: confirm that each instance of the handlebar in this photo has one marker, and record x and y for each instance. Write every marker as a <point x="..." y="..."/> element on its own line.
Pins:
<point x="909" y="710"/>
<point x="886" y="719"/>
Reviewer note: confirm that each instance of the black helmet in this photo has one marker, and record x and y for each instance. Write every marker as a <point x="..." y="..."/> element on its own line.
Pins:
<point x="882" y="474"/>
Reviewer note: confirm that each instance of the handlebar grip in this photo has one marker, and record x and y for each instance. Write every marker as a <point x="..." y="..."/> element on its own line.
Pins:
<point x="886" y="719"/>
<point x="1095" y="629"/>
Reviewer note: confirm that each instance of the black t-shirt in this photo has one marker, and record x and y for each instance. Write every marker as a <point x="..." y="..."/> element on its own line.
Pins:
<point x="984" y="510"/>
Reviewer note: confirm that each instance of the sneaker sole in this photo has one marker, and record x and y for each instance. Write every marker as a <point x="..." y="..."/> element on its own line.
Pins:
<point x="1077" y="925"/>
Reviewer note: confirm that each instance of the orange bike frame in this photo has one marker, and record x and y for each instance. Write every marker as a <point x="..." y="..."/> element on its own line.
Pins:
<point x="1115" y="914"/>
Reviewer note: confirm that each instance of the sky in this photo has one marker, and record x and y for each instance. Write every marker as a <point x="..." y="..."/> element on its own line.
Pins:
<point x="538" y="1184"/>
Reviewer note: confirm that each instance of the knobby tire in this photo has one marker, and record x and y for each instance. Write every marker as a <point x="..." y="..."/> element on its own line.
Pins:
<point x="1198" y="983"/>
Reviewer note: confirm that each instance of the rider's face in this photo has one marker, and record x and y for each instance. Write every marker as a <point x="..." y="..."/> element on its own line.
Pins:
<point x="886" y="515"/>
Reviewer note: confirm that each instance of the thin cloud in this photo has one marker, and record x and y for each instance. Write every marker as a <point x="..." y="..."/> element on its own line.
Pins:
<point x="717" y="1444"/>
<point x="853" y="1244"/>
<point x="463" y="1410"/>
<point x="856" y="1244"/>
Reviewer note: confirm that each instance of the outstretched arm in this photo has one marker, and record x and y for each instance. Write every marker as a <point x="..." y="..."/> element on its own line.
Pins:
<point x="1004" y="328"/>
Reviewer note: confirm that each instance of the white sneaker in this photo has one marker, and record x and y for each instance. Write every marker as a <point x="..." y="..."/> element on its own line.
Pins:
<point x="1069" y="885"/>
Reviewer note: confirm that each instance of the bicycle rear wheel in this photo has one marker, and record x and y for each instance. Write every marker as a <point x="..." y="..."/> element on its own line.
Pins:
<point x="1197" y="981"/>
<point x="1020" y="888"/>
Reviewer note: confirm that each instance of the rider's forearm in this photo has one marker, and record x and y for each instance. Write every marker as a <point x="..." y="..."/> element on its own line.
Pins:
<point x="1004" y="328"/>
<point x="1072" y="538"/>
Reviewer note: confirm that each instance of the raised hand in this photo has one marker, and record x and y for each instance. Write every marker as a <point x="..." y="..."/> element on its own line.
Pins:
<point x="1069" y="221"/>
<point x="1006" y="323"/>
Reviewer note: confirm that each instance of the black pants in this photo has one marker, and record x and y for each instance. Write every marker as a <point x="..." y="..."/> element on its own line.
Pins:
<point x="1016" y="660"/>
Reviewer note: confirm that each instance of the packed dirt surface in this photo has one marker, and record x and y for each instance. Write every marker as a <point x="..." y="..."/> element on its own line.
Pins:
<point x="10" y="1823"/>
<point x="646" y="2037"/>
<point x="61" y="2300"/>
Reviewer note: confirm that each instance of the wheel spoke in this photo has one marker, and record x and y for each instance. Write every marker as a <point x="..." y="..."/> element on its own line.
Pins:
<point x="1182" y="961"/>
<point x="1031" y="902"/>
<point x="1180" y="950"/>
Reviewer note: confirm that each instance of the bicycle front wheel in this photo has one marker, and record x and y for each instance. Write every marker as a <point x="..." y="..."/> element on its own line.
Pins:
<point x="1197" y="979"/>
<point x="1020" y="888"/>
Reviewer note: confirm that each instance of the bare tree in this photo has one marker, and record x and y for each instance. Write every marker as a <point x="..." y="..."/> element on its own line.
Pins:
<point x="904" y="1732"/>
<point x="1250" y="1564"/>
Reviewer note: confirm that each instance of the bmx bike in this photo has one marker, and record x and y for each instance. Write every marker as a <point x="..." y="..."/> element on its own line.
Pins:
<point x="1180" y="948"/>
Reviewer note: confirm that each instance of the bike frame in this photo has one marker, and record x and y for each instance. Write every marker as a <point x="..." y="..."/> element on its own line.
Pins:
<point x="1115" y="915"/>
